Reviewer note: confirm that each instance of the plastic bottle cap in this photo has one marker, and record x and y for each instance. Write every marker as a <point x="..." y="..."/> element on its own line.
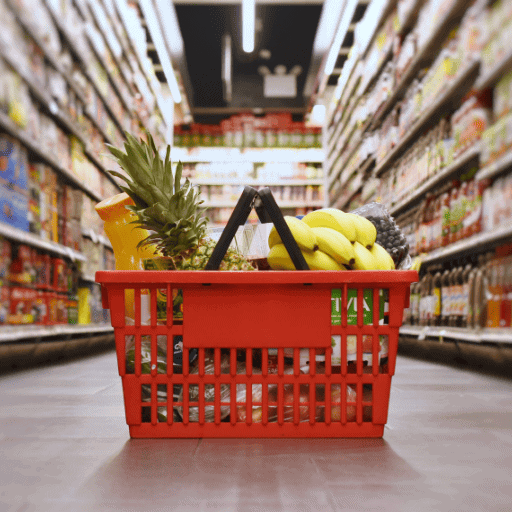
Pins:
<point x="110" y="208"/>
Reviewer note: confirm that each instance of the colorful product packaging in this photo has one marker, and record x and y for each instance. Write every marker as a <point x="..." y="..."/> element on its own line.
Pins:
<point x="367" y="317"/>
<point x="22" y="305"/>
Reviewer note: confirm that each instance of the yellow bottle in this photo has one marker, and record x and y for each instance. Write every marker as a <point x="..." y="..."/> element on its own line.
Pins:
<point x="124" y="238"/>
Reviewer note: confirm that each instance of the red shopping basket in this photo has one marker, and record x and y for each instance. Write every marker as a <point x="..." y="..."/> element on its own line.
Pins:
<point x="257" y="354"/>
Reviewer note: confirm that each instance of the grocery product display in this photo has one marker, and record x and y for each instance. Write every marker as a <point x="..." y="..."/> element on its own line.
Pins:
<point x="71" y="80"/>
<point x="269" y="150"/>
<point x="419" y="122"/>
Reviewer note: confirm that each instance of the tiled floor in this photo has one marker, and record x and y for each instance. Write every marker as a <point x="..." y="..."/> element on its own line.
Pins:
<point x="64" y="446"/>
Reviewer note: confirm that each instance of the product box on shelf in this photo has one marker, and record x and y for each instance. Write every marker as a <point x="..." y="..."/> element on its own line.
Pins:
<point x="5" y="303"/>
<point x="5" y="260"/>
<point x="22" y="271"/>
<point x="42" y="265"/>
<point x="22" y="307"/>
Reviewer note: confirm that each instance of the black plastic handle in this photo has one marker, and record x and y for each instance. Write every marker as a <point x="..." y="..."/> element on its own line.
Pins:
<point x="266" y="208"/>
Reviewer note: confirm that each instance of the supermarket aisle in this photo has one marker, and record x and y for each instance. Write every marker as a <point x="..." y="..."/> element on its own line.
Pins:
<point x="64" y="447"/>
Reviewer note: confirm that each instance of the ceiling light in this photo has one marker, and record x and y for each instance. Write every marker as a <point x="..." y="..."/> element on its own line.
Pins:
<point x="161" y="48"/>
<point x="346" y="18"/>
<point x="227" y="68"/>
<point x="248" y="25"/>
<point x="318" y="114"/>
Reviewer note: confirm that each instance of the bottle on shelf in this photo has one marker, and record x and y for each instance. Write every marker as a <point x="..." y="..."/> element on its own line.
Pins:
<point x="436" y="292"/>
<point x="445" y="297"/>
<point x="465" y="295"/>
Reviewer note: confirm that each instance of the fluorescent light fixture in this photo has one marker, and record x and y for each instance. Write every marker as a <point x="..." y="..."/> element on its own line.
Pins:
<point x="346" y="18"/>
<point x="170" y="27"/>
<point x="329" y="17"/>
<point x="318" y="114"/>
<point x="227" y="68"/>
<point x="161" y="48"/>
<point x="248" y="25"/>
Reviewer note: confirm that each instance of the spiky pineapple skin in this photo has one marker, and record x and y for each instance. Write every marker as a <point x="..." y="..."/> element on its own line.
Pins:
<point x="197" y="257"/>
<point x="170" y="210"/>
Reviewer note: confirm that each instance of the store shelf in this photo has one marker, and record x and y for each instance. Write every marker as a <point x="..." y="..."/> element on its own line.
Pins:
<point x="496" y="168"/>
<point x="68" y="38"/>
<point x="51" y="106"/>
<point x="423" y="56"/>
<point x="33" y="240"/>
<point x="454" y="90"/>
<point x="498" y="335"/>
<point x="469" y="244"/>
<point x="340" y="169"/>
<point x="54" y="62"/>
<point x="444" y="173"/>
<point x="355" y="186"/>
<point x="20" y="332"/>
<point x="97" y="13"/>
<point x="50" y="57"/>
<point x="255" y="155"/>
<point x="493" y="75"/>
<point x="9" y="126"/>
<point x="133" y="50"/>
<point x="97" y="239"/>
<point x="257" y="183"/>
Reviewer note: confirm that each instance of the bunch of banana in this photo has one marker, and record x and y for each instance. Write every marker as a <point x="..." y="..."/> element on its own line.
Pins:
<point x="330" y="239"/>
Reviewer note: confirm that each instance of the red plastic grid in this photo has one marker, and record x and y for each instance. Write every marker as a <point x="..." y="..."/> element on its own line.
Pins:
<point x="227" y="314"/>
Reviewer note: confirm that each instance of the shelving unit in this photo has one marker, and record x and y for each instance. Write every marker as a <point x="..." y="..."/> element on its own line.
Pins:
<point x="23" y="237"/>
<point x="17" y="333"/>
<point x="442" y="175"/>
<point x="455" y="91"/>
<point x="458" y="333"/>
<point x="288" y="193"/>
<point x="92" y="113"/>
<point x="351" y="121"/>
<point x="254" y="155"/>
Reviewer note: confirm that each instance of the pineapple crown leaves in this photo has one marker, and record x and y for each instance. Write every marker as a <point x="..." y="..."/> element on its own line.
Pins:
<point x="170" y="210"/>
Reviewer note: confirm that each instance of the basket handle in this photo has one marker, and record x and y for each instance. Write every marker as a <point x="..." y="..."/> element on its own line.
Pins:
<point x="267" y="209"/>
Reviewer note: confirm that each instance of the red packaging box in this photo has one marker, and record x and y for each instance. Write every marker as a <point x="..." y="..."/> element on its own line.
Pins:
<point x="5" y="303"/>
<point x="22" y="305"/>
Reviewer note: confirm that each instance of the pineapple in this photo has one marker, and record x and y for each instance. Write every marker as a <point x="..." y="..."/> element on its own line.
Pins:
<point x="169" y="209"/>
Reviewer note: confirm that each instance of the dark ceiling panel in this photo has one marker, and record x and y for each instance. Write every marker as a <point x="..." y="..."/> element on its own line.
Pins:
<point x="287" y="31"/>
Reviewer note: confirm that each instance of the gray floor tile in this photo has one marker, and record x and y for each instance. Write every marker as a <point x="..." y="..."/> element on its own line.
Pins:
<point x="65" y="445"/>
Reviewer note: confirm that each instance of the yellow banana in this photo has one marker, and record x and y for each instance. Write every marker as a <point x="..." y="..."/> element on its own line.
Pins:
<point x="366" y="232"/>
<point x="335" y="244"/>
<point x="279" y="259"/>
<point x="334" y="219"/>
<point x="301" y="232"/>
<point x="382" y="257"/>
<point x="364" y="258"/>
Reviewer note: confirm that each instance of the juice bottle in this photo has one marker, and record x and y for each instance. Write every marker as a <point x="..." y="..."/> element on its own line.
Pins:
<point x="494" y="294"/>
<point x="463" y="210"/>
<point x="423" y="299"/>
<point x="125" y="239"/>
<point x="436" y="292"/>
<point x="470" y="317"/>
<point x="452" y="297"/>
<point x="506" y="289"/>
<point x="445" y="297"/>
<point x="445" y="222"/>
<point x="463" y="317"/>
<point x="478" y="293"/>
<point x="454" y="212"/>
